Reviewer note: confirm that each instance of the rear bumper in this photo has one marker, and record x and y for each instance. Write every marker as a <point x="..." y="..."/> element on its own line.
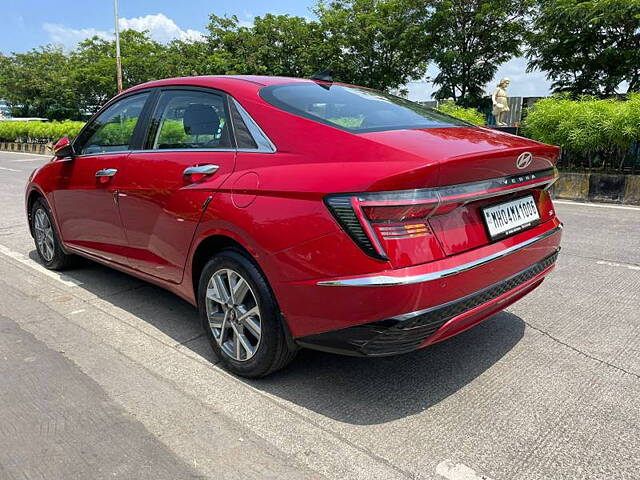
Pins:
<point x="323" y="305"/>
<point x="411" y="331"/>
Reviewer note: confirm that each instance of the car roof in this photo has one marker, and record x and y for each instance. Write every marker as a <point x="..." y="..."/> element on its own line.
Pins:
<point x="222" y="82"/>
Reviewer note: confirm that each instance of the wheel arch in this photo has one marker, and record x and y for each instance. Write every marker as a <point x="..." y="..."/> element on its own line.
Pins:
<point x="205" y="250"/>
<point x="215" y="243"/>
<point x="32" y="196"/>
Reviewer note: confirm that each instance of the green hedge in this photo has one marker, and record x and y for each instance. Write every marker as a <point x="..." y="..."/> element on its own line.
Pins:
<point x="585" y="126"/>
<point x="470" y="115"/>
<point x="38" y="132"/>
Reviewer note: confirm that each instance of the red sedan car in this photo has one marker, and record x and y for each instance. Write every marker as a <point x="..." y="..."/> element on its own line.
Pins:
<point x="300" y="213"/>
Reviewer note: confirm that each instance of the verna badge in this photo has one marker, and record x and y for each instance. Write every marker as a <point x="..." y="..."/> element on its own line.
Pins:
<point x="524" y="160"/>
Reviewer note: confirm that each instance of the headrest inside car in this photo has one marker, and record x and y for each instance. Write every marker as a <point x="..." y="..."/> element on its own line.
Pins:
<point x="200" y="119"/>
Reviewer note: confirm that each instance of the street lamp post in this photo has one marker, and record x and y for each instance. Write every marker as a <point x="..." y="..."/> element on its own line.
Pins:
<point x="118" y="62"/>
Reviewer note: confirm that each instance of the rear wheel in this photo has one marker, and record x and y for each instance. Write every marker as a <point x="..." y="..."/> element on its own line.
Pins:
<point x="46" y="238"/>
<point x="241" y="317"/>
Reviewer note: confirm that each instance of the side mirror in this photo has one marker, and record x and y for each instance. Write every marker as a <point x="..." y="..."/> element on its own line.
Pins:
<point x="63" y="148"/>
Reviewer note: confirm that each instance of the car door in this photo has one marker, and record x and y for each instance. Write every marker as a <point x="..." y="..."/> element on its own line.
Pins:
<point x="84" y="197"/>
<point x="189" y="153"/>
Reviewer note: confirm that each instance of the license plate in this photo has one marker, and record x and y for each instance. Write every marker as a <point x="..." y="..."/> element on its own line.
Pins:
<point x="510" y="217"/>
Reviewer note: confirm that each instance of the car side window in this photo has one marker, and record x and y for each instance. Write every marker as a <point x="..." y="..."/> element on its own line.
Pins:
<point x="243" y="136"/>
<point x="190" y="119"/>
<point x="112" y="130"/>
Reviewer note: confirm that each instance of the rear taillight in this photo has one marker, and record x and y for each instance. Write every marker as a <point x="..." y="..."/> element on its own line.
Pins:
<point x="398" y="214"/>
<point x="371" y="219"/>
<point x="343" y="210"/>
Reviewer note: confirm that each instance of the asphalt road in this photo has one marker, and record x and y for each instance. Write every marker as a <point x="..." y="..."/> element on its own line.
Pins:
<point x="104" y="376"/>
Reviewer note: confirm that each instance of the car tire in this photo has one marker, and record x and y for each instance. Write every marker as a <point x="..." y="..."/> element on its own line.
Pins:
<point x="46" y="238"/>
<point x="246" y="333"/>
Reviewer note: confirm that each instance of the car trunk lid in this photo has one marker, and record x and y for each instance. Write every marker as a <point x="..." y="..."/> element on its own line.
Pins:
<point x="478" y="168"/>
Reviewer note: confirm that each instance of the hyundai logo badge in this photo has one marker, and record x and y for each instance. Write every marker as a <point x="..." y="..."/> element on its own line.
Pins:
<point x="524" y="160"/>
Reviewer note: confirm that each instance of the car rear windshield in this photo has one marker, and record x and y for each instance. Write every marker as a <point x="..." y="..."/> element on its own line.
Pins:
<point x="354" y="109"/>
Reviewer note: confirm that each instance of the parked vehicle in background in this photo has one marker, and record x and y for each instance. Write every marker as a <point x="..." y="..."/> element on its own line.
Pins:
<point x="5" y="112"/>
<point x="298" y="213"/>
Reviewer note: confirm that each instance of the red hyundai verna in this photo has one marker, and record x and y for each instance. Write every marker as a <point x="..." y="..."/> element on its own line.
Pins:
<point x="299" y="213"/>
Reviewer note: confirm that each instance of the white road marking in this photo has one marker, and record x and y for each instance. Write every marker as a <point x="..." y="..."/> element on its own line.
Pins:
<point x="24" y="153"/>
<point x="77" y="311"/>
<point x="598" y="205"/>
<point x="619" y="265"/>
<point x="10" y="169"/>
<point x="65" y="279"/>
<point x="458" y="471"/>
<point x="35" y="159"/>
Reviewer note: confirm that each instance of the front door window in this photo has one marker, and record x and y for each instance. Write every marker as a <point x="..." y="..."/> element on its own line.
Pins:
<point x="113" y="130"/>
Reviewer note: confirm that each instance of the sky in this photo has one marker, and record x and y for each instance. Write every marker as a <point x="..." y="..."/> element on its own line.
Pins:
<point x="30" y="23"/>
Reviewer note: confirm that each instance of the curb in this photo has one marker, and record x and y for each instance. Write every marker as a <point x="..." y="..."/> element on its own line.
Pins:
<point x="38" y="148"/>
<point x="598" y="187"/>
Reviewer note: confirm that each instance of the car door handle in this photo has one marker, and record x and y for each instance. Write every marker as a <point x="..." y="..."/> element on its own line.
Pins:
<point x="201" y="170"/>
<point x="106" y="172"/>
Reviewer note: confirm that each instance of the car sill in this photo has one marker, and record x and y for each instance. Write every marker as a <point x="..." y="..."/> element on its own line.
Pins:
<point x="389" y="281"/>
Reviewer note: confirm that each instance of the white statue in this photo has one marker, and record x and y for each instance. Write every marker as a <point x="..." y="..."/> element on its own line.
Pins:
<point x="501" y="102"/>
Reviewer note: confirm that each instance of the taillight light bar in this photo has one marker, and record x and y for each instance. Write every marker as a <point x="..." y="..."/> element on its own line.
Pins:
<point x="358" y="211"/>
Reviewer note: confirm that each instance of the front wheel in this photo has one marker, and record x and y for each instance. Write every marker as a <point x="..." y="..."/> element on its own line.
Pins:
<point x="47" y="242"/>
<point x="241" y="317"/>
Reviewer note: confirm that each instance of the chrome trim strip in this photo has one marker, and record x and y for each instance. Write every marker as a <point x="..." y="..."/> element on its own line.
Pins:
<point x="192" y="150"/>
<point x="265" y="145"/>
<point x="388" y="281"/>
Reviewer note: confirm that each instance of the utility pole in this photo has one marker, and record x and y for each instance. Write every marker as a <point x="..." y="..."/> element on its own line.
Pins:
<point x="118" y="62"/>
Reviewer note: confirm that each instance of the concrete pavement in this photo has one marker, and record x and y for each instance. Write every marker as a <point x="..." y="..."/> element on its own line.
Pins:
<point x="102" y="375"/>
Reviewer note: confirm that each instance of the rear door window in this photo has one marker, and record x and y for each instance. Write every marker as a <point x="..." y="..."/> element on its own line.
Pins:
<point x="353" y="108"/>
<point x="186" y="119"/>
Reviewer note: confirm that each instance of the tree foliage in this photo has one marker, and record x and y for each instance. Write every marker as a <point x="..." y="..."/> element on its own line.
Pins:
<point x="94" y="66"/>
<point x="470" y="115"/>
<point x="590" y="126"/>
<point x="471" y="39"/>
<point x="378" y="44"/>
<point x="37" y="84"/>
<point x="587" y="47"/>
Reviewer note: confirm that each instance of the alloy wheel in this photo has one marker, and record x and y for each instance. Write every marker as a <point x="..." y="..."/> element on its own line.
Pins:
<point x="44" y="235"/>
<point x="233" y="314"/>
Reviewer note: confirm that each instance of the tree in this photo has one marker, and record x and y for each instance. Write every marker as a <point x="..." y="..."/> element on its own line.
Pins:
<point x="94" y="66"/>
<point x="471" y="39"/>
<point x="5" y="65"/>
<point x="377" y="43"/>
<point x="286" y="45"/>
<point x="228" y="41"/>
<point x="37" y="84"/>
<point x="587" y="47"/>
<point x="273" y="45"/>
<point x="187" y="58"/>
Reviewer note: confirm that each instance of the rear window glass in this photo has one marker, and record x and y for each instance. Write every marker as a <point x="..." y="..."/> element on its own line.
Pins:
<point x="355" y="109"/>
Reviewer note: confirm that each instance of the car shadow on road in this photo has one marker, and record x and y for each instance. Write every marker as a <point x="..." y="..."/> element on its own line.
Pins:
<point x="367" y="391"/>
<point x="360" y="391"/>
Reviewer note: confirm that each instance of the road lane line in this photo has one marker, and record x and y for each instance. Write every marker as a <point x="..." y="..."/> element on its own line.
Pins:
<point x="24" y="153"/>
<point x="597" y="205"/>
<point x="619" y="265"/>
<point x="458" y="471"/>
<point x="21" y="160"/>
<point x="10" y="169"/>
<point x="19" y="257"/>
